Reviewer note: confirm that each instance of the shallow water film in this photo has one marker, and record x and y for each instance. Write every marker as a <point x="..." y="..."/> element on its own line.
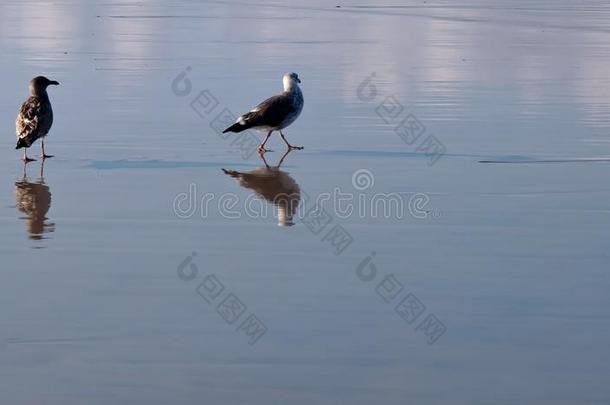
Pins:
<point x="442" y="238"/>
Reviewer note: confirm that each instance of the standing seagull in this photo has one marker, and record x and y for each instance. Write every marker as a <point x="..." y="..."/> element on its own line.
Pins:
<point x="275" y="113"/>
<point x="35" y="117"/>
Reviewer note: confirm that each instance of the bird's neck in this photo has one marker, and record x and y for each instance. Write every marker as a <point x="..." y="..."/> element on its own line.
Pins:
<point x="40" y="94"/>
<point x="289" y="85"/>
<point x="291" y="88"/>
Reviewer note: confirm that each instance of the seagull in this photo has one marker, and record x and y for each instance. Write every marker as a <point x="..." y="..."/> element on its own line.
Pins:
<point x="35" y="117"/>
<point x="275" y="113"/>
<point x="274" y="185"/>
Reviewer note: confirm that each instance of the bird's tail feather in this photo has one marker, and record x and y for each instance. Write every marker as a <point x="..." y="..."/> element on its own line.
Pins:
<point x="23" y="143"/>
<point x="231" y="173"/>
<point x="237" y="127"/>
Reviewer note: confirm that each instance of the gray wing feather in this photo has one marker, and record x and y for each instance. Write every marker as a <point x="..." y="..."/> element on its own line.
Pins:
<point x="271" y="112"/>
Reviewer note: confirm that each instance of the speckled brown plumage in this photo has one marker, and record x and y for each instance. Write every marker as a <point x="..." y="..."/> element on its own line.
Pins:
<point x="35" y="116"/>
<point x="34" y="120"/>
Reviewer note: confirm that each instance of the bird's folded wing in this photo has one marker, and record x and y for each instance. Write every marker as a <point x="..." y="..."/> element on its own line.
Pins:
<point x="29" y="116"/>
<point x="271" y="112"/>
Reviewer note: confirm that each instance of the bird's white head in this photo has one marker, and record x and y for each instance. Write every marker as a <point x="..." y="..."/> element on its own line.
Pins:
<point x="290" y="80"/>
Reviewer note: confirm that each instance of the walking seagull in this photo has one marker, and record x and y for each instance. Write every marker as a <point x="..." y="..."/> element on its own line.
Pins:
<point x="35" y="117"/>
<point x="275" y="113"/>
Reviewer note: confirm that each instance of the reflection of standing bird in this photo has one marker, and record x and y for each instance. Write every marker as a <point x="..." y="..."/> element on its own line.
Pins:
<point x="275" y="113"/>
<point x="35" y="117"/>
<point x="34" y="200"/>
<point x="273" y="185"/>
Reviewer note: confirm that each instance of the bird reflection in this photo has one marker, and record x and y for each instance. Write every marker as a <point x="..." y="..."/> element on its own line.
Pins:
<point x="34" y="201"/>
<point x="273" y="185"/>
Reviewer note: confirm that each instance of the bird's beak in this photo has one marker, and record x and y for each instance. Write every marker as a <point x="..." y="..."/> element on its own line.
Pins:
<point x="53" y="82"/>
<point x="298" y="80"/>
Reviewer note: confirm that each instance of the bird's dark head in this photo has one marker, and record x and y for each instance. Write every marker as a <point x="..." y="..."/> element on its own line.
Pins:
<point x="39" y="84"/>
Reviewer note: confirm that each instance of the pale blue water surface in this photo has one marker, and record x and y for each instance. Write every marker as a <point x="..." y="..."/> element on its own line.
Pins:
<point x="511" y="256"/>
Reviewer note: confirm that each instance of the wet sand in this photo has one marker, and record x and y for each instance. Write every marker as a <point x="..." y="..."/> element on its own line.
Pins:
<point x="113" y="260"/>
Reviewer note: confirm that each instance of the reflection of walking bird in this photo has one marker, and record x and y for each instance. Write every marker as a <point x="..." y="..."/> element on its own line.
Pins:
<point x="273" y="185"/>
<point x="34" y="200"/>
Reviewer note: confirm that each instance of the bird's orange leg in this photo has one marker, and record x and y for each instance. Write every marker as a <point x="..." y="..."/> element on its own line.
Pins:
<point x="261" y="148"/>
<point x="290" y="147"/>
